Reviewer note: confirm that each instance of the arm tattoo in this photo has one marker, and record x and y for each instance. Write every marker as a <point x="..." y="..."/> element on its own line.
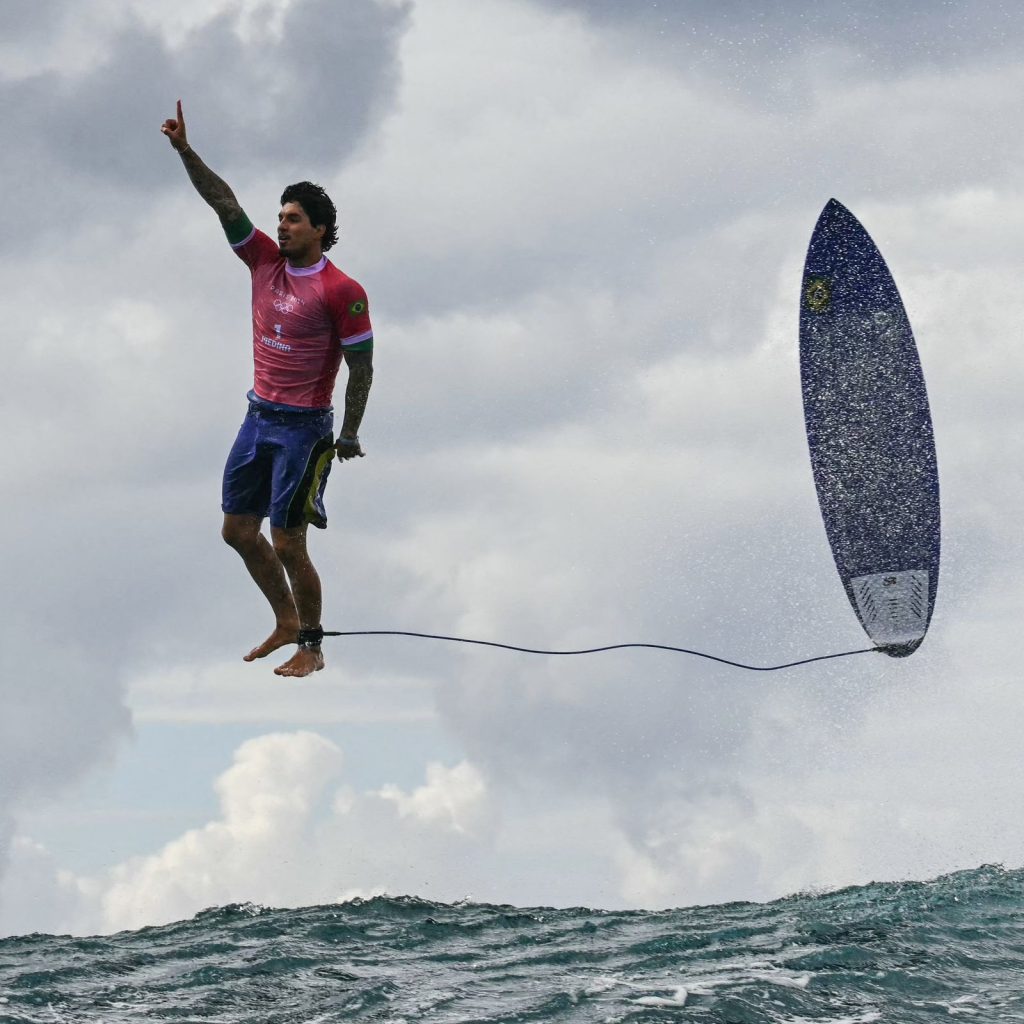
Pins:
<point x="360" y="377"/>
<point x="212" y="188"/>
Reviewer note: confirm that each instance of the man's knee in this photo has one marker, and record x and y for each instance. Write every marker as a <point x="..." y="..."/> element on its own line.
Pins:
<point x="289" y="545"/>
<point x="241" y="532"/>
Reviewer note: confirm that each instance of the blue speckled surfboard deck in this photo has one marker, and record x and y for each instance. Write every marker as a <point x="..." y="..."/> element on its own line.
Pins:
<point x="869" y="430"/>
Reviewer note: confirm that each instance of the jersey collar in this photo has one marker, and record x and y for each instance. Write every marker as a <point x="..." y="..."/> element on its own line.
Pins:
<point x="305" y="271"/>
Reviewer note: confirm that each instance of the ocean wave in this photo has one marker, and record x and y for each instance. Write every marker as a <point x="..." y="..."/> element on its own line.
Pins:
<point x="899" y="951"/>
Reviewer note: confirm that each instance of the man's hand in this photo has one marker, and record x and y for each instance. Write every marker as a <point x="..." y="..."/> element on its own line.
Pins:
<point x="348" y="448"/>
<point x="174" y="129"/>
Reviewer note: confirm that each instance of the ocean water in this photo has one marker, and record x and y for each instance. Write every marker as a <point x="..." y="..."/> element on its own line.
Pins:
<point x="947" y="949"/>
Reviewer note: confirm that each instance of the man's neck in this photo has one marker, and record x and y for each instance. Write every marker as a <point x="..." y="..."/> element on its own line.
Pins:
<point x="302" y="262"/>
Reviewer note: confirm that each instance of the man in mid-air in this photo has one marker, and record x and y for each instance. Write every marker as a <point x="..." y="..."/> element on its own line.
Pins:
<point x="307" y="317"/>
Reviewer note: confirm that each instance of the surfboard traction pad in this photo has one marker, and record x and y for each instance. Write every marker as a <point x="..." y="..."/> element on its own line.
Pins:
<point x="893" y="608"/>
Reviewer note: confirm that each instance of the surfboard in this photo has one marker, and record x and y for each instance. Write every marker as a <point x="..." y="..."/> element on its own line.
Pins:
<point x="869" y="430"/>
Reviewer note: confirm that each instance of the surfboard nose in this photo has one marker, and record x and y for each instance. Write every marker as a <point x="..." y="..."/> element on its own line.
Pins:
<point x="835" y="219"/>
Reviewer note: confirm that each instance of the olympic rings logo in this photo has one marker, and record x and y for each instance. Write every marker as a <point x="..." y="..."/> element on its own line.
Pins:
<point x="283" y="307"/>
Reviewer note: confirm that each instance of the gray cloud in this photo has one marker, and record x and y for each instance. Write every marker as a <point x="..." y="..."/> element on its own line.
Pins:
<point x="294" y="105"/>
<point x="28" y="22"/>
<point x="743" y="40"/>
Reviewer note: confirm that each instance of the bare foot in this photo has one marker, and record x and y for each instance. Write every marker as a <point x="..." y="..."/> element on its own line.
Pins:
<point x="304" y="662"/>
<point x="281" y="637"/>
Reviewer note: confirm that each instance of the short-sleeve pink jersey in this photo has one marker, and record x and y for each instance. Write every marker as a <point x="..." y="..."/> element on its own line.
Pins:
<point x="303" y="318"/>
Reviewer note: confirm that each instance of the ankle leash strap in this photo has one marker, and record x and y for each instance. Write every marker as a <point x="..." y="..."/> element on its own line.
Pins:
<point x="311" y="637"/>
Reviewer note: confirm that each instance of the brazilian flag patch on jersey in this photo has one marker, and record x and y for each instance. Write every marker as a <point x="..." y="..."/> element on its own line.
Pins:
<point x="357" y="307"/>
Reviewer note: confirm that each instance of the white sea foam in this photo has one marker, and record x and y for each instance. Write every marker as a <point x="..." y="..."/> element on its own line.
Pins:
<point x="600" y="984"/>
<point x="868" y="1017"/>
<point x="677" y="998"/>
<point x="735" y="977"/>
<point x="799" y="981"/>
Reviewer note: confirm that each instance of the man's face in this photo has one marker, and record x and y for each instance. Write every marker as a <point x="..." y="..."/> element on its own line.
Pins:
<point x="296" y="236"/>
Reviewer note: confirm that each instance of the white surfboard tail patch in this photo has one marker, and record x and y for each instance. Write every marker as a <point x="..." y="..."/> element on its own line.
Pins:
<point x="893" y="606"/>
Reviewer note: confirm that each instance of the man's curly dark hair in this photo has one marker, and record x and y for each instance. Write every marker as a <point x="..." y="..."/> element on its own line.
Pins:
<point x="318" y="206"/>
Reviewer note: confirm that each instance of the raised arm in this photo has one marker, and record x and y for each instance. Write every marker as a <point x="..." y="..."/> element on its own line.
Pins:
<point x="212" y="188"/>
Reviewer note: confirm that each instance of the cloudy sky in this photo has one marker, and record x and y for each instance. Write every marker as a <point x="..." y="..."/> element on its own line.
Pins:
<point x="581" y="224"/>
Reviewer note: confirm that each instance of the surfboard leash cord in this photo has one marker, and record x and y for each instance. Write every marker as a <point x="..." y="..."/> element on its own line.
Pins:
<point x="599" y="650"/>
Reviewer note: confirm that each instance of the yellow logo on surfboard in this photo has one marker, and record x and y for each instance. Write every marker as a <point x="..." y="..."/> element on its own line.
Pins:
<point x="818" y="294"/>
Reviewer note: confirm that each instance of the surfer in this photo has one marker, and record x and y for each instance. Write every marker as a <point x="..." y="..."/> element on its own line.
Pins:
<point x="307" y="318"/>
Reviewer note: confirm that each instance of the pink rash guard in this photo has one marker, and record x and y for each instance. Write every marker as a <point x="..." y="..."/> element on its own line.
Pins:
<point x="303" y="319"/>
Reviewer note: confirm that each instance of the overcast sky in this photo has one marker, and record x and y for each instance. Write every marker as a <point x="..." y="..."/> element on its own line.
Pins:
<point x="581" y="226"/>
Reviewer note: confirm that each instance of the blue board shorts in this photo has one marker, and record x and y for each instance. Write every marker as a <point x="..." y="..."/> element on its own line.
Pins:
<point x="278" y="466"/>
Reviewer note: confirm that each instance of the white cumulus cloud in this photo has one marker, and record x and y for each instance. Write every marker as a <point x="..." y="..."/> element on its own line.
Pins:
<point x="451" y="796"/>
